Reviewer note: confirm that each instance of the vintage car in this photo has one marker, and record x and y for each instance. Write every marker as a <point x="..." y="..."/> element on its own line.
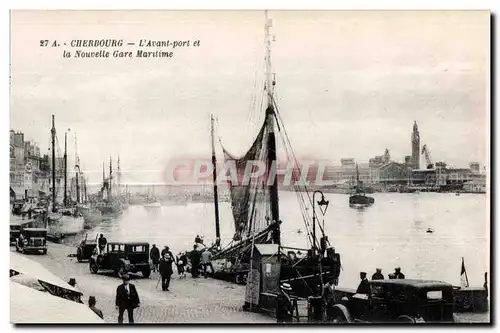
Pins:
<point x="122" y="258"/>
<point x="86" y="250"/>
<point x="15" y="231"/>
<point x="410" y="301"/>
<point x="32" y="240"/>
<point x="17" y="207"/>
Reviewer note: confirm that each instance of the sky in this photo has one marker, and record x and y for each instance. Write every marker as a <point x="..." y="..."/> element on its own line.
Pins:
<point x="349" y="84"/>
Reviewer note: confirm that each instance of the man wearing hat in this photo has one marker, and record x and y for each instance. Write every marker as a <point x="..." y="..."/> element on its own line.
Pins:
<point x="166" y="271"/>
<point x="398" y="274"/>
<point x="378" y="275"/>
<point x="154" y="254"/>
<point x="364" y="286"/>
<point x="72" y="282"/>
<point x="92" y="307"/>
<point x="284" y="307"/>
<point x="126" y="299"/>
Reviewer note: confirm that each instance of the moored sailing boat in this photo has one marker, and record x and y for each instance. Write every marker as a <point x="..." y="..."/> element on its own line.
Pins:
<point x="152" y="204"/>
<point x="359" y="199"/>
<point x="66" y="219"/>
<point x="255" y="209"/>
<point x="108" y="204"/>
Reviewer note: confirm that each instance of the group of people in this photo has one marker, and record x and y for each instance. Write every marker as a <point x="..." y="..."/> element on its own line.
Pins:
<point x="364" y="286"/>
<point x="200" y="261"/>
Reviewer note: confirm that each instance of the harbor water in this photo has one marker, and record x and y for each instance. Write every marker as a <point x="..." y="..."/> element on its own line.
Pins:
<point x="426" y="234"/>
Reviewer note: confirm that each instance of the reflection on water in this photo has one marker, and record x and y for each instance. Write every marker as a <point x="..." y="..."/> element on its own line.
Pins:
<point x="391" y="233"/>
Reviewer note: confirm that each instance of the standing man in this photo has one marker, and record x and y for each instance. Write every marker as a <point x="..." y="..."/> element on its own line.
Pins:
<point x="378" y="275"/>
<point x="102" y="243"/>
<point x="328" y="298"/>
<point x="284" y="306"/>
<point x="166" y="271"/>
<point x="364" y="286"/>
<point x="206" y="261"/>
<point x="126" y="299"/>
<point x="398" y="274"/>
<point x="154" y="254"/>
<point x="195" y="262"/>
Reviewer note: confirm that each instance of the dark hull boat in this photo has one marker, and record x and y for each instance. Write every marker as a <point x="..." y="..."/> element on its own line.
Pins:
<point x="255" y="210"/>
<point x="359" y="199"/>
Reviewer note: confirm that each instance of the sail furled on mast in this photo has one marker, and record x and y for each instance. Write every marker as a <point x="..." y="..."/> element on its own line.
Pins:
<point x="250" y="196"/>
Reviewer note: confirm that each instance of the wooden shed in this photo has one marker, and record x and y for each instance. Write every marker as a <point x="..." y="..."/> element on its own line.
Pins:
<point x="263" y="283"/>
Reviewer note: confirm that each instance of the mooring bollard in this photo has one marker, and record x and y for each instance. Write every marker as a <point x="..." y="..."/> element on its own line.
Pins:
<point x="315" y="309"/>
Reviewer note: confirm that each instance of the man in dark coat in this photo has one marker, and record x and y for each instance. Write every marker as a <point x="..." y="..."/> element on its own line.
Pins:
<point x="166" y="271"/>
<point x="284" y="306"/>
<point x="378" y="275"/>
<point x="364" y="286"/>
<point x="195" y="258"/>
<point x="102" y="243"/>
<point x="126" y="299"/>
<point x="398" y="274"/>
<point x="154" y="254"/>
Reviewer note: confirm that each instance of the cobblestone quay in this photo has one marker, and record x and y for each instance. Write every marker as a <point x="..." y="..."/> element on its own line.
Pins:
<point x="188" y="301"/>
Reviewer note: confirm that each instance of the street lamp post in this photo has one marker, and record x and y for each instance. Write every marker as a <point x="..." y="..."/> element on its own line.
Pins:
<point x="321" y="203"/>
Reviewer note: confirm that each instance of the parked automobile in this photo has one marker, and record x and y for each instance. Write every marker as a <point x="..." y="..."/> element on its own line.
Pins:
<point x="122" y="258"/>
<point x="403" y="301"/>
<point x="15" y="231"/>
<point x="17" y="207"/>
<point x="32" y="240"/>
<point x="86" y="250"/>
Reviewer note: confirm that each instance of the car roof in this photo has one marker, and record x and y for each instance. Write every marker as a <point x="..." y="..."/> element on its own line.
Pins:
<point x="35" y="229"/>
<point x="128" y="243"/>
<point x="412" y="283"/>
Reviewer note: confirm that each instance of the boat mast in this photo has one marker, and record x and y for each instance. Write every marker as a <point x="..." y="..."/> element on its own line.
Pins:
<point x="118" y="176"/>
<point x="216" y="197"/>
<point x="53" y="132"/>
<point x="270" y="119"/>
<point x="358" y="190"/>
<point x="77" y="171"/>
<point x="65" y="169"/>
<point x="110" y="177"/>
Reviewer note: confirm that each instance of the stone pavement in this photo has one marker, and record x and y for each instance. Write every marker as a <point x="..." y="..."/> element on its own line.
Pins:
<point x="188" y="301"/>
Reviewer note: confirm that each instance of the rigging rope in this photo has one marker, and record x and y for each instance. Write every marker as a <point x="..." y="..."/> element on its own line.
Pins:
<point x="304" y="186"/>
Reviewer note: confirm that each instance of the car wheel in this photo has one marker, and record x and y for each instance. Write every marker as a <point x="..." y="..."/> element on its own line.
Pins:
<point x="339" y="318"/>
<point x="44" y="251"/>
<point x="406" y="319"/>
<point x="146" y="273"/>
<point x="93" y="267"/>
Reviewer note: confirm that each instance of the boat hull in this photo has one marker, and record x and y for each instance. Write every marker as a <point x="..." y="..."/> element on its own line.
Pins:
<point x="360" y="201"/>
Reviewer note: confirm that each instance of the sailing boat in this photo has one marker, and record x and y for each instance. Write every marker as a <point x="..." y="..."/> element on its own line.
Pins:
<point x="359" y="199"/>
<point x="91" y="216"/>
<point x="65" y="219"/>
<point x="151" y="202"/>
<point x="108" y="204"/>
<point x="255" y="210"/>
